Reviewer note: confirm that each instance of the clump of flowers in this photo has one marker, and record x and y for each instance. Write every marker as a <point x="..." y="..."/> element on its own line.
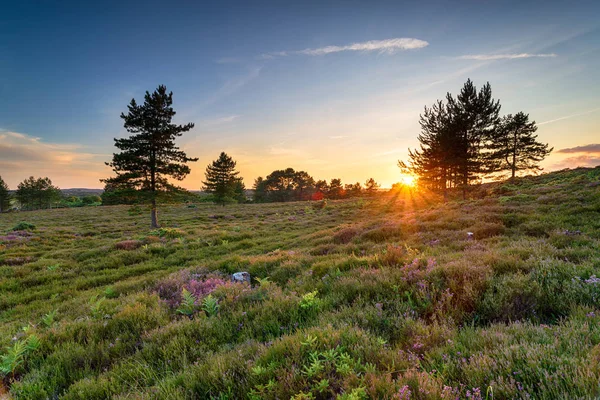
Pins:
<point x="170" y="290"/>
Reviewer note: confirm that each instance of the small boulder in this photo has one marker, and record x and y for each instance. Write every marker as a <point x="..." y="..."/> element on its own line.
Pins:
<point x="470" y="236"/>
<point x="241" y="277"/>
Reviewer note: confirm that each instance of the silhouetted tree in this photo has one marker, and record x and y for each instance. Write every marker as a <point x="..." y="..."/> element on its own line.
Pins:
<point x="455" y="140"/>
<point x="150" y="157"/>
<point x="304" y="185"/>
<point x="240" y="191"/>
<point x="222" y="179"/>
<point x="4" y="196"/>
<point x="336" y="189"/>
<point x="514" y="146"/>
<point x="260" y="190"/>
<point x="371" y="186"/>
<point x="474" y="118"/>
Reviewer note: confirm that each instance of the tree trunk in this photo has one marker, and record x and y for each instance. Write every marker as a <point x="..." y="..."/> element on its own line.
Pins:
<point x="154" y="214"/>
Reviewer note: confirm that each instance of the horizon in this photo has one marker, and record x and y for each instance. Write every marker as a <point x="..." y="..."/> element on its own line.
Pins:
<point x="334" y="91"/>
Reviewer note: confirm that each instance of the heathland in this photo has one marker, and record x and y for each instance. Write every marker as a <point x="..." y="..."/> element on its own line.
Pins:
<point x="398" y="295"/>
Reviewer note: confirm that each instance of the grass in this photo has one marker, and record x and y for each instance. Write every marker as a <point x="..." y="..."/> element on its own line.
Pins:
<point x="383" y="297"/>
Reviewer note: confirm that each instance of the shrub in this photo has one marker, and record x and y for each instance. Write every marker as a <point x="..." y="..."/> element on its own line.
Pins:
<point x="484" y="230"/>
<point x="169" y="233"/>
<point x="345" y="235"/>
<point x="24" y="226"/>
<point x="383" y="233"/>
<point x="128" y="244"/>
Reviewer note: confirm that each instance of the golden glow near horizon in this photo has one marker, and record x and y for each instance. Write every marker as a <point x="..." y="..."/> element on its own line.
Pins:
<point x="408" y="180"/>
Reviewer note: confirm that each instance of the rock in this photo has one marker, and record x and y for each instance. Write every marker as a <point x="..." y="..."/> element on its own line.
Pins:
<point x="241" y="277"/>
<point x="470" y="235"/>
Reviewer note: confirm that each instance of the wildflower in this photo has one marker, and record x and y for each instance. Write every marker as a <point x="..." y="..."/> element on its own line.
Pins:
<point x="592" y="280"/>
<point x="403" y="394"/>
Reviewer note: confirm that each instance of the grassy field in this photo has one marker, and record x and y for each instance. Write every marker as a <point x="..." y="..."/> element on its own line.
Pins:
<point x="377" y="298"/>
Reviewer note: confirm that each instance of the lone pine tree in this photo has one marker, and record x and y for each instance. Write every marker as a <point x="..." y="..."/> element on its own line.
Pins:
<point x="149" y="157"/>
<point x="222" y="180"/>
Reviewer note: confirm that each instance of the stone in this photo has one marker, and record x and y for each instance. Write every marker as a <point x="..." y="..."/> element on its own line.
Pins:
<point x="241" y="277"/>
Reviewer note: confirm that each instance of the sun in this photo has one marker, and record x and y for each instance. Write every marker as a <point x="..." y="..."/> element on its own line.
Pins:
<point x="408" y="180"/>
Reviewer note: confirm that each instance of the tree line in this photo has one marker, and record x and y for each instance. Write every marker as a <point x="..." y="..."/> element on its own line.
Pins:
<point x="464" y="139"/>
<point x="291" y="185"/>
<point x="38" y="194"/>
<point x="31" y="194"/>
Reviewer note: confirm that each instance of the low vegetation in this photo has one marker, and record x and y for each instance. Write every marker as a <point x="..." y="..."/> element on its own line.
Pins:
<point x="384" y="297"/>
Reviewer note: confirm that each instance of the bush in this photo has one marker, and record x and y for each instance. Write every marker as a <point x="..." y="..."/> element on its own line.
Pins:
<point x="24" y="226"/>
<point x="345" y="235"/>
<point x="128" y="244"/>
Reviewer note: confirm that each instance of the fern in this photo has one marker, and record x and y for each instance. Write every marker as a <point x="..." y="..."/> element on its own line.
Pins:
<point x="188" y="303"/>
<point x="210" y="305"/>
<point x="14" y="359"/>
<point x="97" y="306"/>
<point x="48" y="319"/>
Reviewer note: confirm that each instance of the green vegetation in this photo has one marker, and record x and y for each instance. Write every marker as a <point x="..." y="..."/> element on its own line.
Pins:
<point x="385" y="296"/>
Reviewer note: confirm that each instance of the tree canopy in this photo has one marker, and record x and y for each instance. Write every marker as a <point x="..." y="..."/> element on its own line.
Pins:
<point x="35" y="194"/>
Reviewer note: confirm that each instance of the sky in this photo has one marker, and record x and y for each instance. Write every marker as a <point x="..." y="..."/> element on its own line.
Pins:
<point x="332" y="88"/>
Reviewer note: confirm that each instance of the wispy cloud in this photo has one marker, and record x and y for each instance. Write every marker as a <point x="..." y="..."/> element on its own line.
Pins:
<point x="338" y="137"/>
<point x="570" y="116"/>
<point x="578" y="161"/>
<point x="514" y="56"/>
<point x="386" y="46"/>
<point x="588" y="148"/>
<point x="219" y="120"/>
<point x="22" y="155"/>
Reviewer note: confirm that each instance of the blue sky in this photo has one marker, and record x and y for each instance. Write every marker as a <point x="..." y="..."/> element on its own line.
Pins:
<point x="333" y="88"/>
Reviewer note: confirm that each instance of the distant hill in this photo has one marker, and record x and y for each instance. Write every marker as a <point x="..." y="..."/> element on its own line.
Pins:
<point x="81" y="192"/>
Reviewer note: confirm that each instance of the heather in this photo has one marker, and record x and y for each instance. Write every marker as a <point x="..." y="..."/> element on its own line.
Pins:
<point x="380" y="297"/>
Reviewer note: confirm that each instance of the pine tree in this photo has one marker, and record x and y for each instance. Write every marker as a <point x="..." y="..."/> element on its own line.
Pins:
<point x="473" y="119"/>
<point x="336" y="189"/>
<point x="222" y="179"/>
<point x="454" y="140"/>
<point x="149" y="157"/>
<point x="4" y="196"/>
<point x="371" y="186"/>
<point x="435" y="162"/>
<point x="514" y="146"/>
<point x="240" y="191"/>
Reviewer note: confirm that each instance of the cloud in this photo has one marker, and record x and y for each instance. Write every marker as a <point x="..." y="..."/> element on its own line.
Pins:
<point x="338" y="137"/>
<point x="579" y="161"/>
<point x="588" y="148"/>
<point x="386" y="46"/>
<point x="219" y="121"/>
<point x="492" y="57"/>
<point x="569" y="116"/>
<point x="22" y="155"/>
